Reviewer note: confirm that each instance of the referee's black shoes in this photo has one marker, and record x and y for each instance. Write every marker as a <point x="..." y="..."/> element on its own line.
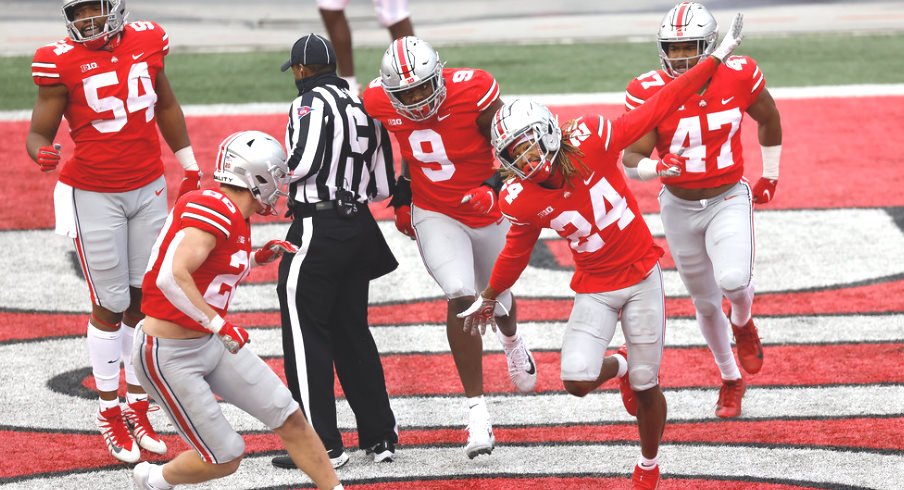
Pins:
<point x="338" y="457"/>
<point x="382" y="452"/>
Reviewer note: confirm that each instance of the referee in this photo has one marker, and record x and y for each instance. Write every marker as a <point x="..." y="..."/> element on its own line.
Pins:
<point x="339" y="158"/>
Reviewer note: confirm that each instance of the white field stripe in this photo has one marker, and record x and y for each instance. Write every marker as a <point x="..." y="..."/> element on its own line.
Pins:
<point x="547" y="336"/>
<point x="279" y="108"/>
<point x="819" y="466"/>
<point x="37" y="362"/>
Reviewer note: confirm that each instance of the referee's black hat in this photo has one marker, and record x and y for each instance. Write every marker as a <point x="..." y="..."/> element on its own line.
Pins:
<point x="311" y="50"/>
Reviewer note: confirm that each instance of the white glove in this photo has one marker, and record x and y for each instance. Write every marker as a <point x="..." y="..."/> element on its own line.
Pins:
<point x="731" y="40"/>
<point x="479" y="315"/>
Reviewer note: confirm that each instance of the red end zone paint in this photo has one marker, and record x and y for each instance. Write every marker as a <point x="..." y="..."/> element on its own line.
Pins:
<point x="835" y="153"/>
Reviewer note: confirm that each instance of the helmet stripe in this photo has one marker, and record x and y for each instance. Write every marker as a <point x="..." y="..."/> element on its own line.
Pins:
<point x="401" y="55"/>
<point x="681" y="22"/>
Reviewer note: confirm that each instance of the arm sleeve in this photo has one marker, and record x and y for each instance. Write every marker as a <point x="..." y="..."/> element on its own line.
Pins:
<point x="632" y="125"/>
<point x="309" y="120"/>
<point x="519" y="244"/>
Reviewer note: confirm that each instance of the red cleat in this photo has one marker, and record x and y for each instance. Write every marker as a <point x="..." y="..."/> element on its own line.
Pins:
<point x="645" y="479"/>
<point x="730" y="395"/>
<point x="750" y="349"/>
<point x="624" y="385"/>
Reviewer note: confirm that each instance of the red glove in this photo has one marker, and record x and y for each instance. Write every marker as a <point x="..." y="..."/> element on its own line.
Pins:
<point x="764" y="190"/>
<point x="403" y="220"/>
<point x="671" y="165"/>
<point x="480" y="199"/>
<point x="271" y="251"/>
<point x="49" y="157"/>
<point x="232" y="336"/>
<point x="191" y="182"/>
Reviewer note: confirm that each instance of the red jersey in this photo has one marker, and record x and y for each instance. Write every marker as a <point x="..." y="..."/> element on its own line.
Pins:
<point x="708" y="125"/>
<point x="447" y="154"/>
<point x="219" y="275"/>
<point x="111" y="107"/>
<point x="594" y="211"/>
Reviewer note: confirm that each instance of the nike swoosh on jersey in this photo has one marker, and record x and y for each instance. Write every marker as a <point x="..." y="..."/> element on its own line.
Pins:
<point x="440" y="118"/>
<point x="587" y="181"/>
<point x="725" y="101"/>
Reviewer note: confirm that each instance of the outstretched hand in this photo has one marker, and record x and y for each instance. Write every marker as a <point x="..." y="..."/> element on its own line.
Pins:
<point x="479" y="315"/>
<point x="732" y="39"/>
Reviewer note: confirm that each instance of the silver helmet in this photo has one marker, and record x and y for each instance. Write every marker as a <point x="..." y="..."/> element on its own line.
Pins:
<point x="255" y="161"/>
<point x="112" y="13"/>
<point x="409" y="63"/>
<point x="687" y="21"/>
<point x="525" y="121"/>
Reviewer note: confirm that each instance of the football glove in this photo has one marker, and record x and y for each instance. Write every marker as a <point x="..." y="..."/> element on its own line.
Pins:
<point x="271" y="251"/>
<point x="191" y="182"/>
<point x="232" y="336"/>
<point x="732" y="39"/>
<point x="480" y="199"/>
<point x="403" y="220"/>
<point x="479" y="315"/>
<point x="764" y="190"/>
<point x="671" y="165"/>
<point x="49" y="157"/>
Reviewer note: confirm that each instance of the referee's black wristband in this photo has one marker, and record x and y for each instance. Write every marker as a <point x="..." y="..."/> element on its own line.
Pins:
<point x="401" y="196"/>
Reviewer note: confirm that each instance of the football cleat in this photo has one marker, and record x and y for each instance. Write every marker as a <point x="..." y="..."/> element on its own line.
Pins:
<point x="136" y="415"/>
<point x="750" y="349"/>
<point x="730" y="395"/>
<point x="521" y="366"/>
<point x="140" y="474"/>
<point x="645" y="479"/>
<point x="624" y="385"/>
<point x="381" y="452"/>
<point x="480" y="434"/>
<point x="117" y="436"/>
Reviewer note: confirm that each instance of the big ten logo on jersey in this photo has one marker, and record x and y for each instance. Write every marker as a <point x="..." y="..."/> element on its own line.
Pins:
<point x="579" y="131"/>
<point x="141" y="25"/>
<point x="462" y="76"/>
<point x="89" y="66"/>
<point x="394" y="121"/>
<point x="61" y="47"/>
<point x="736" y="63"/>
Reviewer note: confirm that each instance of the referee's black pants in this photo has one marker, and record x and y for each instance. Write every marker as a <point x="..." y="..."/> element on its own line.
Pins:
<point x="323" y="295"/>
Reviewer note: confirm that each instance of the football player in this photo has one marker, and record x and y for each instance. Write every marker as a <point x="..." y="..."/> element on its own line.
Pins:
<point x="187" y="354"/>
<point x="446" y="199"/>
<point x="706" y="206"/>
<point x="570" y="181"/>
<point x="107" y="79"/>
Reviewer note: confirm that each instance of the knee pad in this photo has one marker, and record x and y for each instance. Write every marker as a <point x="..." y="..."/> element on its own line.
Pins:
<point x="734" y="280"/>
<point x="643" y="377"/>
<point x="708" y="306"/>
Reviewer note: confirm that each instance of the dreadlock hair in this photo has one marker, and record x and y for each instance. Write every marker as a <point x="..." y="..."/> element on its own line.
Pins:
<point x="569" y="158"/>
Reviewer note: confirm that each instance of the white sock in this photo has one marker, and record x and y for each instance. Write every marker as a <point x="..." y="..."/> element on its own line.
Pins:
<point x="105" y="351"/>
<point x="107" y="404"/>
<point x="622" y="365"/>
<point x="507" y="342"/>
<point x="477" y="405"/>
<point x="135" y="397"/>
<point x="127" y="336"/>
<point x="648" y="464"/>
<point x="155" y="478"/>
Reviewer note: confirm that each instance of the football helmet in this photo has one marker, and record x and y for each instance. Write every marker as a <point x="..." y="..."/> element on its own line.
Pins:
<point x="409" y="63"/>
<point x="255" y="161"/>
<point x="519" y="121"/>
<point x="687" y="21"/>
<point x="114" y="13"/>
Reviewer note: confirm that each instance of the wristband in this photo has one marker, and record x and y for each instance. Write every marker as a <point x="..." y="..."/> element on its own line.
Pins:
<point x="186" y="157"/>
<point x="771" y="157"/>
<point x="646" y="169"/>
<point x="215" y="324"/>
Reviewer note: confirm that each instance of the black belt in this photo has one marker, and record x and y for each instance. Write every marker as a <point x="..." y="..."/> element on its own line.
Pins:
<point x="308" y="210"/>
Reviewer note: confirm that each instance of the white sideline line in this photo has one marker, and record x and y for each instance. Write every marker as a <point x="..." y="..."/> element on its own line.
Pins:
<point x="561" y="100"/>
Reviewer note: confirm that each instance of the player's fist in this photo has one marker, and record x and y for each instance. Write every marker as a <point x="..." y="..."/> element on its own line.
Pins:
<point x="191" y="182"/>
<point x="48" y="157"/>
<point x="732" y="39"/>
<point x="480" y="199"/>
<point x="403" y="220"/>
<point x="271" y="251"/>
<point x="479" y="315"/>
<point x="764" y="190"/>
<point x="671" y="165"/>
<point x="233" y="337"/>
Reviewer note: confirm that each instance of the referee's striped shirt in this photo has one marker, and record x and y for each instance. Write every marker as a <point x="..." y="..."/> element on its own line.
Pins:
<point x="332" y="144"/>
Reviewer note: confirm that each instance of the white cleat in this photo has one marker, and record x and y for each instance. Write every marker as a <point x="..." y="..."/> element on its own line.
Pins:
<point x="521" y="366"/>
<point x="116" y="434"/>
<point x="480" y="435"/>
<point x="136" y="415"/>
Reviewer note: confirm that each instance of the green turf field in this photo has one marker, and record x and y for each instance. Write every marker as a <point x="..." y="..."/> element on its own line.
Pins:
<point x="560" y="68"/>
